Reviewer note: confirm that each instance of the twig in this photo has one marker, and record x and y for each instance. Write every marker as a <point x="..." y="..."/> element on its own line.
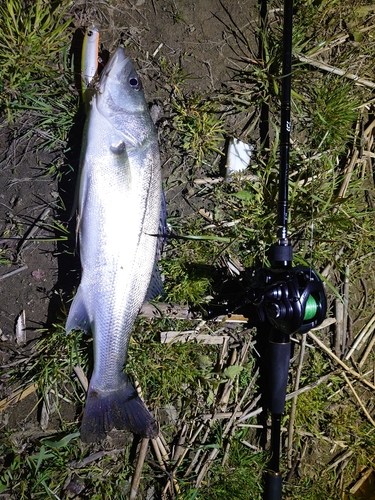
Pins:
<point x="341" y="458"/>
<point x="361" y="337"/>
<point x="342" y="444"/>
<point x="17" y="396"/>
<point x="346" y="309"/>
<point x="341" y="363"/>
<point x="77" y="464"/>
<point x="180" y="445"/>
<point x="348" y="174"/>
<point x="138" y="470"/>
<point x="358" y="399"/>
<point x="175" y="311"/>
<point x="12" y="273"/>
<point x="81" y="377"/>
<point x="291" y="395"/>
<point x="336" y="71"/>
<point x="161" y="310"/>
<point x="294" y="402"/>
<point x="367" y="352"/>
<point x="339" y="327"/>
<point x="171" y="337"/>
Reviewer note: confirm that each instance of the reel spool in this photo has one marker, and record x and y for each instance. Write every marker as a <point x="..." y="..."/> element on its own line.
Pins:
<point x="292" y="299"/>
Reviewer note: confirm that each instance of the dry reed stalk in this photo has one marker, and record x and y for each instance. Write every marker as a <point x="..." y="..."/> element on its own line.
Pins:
<point x="348" y="174"/>
<point x="178" y="451"/>
<point x="339" y="326"/>
<point x="341" y="363"/>
<point x="346" y="310"/>
<point x="173" y="336"/>
<point x="361" y="337"/>
<point x="340" y="459"/>
<point x="81" y="377"/>
<point x="17" y="396"/>
<point x="370" y="419"/>
<point x="329" y="266"/>
<point x="335" y="443"/>
<point x="336" y="71"/>
<point x="175" y="311"/>
<point x="184" y="450"/>
<point x="294" y="401"/>
<point x="138" y="470"/>
<point x="369" y="348"/>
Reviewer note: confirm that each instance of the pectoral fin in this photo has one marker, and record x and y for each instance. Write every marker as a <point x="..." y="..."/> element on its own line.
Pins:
<point x="78" y="318"/>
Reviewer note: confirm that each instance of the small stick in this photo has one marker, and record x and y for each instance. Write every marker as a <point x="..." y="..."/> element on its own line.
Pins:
<point x="171" y="337"/>
<point x="81" y="377"/>
<point x="361" y="337"/>
<point x="17" y="396"/>
<point x="348" y="174"/>
<point x="367" y="352"/>
<point x="336" y="71"/>
<point x="12" y="273"/>
<point x="339" y="327"/>
<point x="294" y="402"/>
<point x="180" y="445"/>
<point x="370" y="419"/>
<point x="346" y="309"/>
<point x="341" y="363"/>
<point x="175" y="311"/>
<point x="343" y="457"/>
<point x="138" y="471"/>
<point x="321" y="380"/>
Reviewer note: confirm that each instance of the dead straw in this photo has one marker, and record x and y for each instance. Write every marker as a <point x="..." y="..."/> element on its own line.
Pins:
<point x="336" y="71"/>
<point x="138" y="470"/>
<point x="362" y="337"/>
<point x="370" y="419"/>
<point x="341" y="363"/>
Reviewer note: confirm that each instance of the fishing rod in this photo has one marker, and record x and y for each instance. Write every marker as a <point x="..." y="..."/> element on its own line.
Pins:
<point x="288" y="299"/>
<point x="291" y="299"/>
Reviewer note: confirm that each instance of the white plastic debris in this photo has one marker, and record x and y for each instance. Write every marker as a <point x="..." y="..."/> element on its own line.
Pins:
<point x="21" y="328"/>
<point x="238" y="157"/>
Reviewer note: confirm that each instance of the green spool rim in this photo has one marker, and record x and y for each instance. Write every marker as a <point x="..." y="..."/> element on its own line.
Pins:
<point x="311" y="308"/>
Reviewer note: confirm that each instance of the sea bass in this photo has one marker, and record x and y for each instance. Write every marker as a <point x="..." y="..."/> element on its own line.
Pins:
<point x="119" y="213"/>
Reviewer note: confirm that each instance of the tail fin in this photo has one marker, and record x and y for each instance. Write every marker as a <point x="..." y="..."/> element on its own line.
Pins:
<point x="121" y="408"/>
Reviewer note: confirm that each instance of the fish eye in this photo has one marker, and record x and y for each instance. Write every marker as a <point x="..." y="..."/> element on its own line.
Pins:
<point x="135" y="83"/>
<point x="90" y="33"/>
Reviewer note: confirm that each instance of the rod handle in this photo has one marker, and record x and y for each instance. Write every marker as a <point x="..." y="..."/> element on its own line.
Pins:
<point x="273" y="486"/>
<point x="279" y="358"/>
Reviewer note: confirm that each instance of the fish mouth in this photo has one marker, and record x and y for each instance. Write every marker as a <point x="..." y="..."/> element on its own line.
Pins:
<point x="115" y="64"/>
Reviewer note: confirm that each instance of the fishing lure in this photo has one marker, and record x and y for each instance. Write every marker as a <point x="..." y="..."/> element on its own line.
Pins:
<point x="89" y="62"/>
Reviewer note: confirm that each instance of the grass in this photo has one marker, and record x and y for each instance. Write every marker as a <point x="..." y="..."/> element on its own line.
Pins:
<point x="199" y="125"/>
<point x="185" y="383"/>
<point x="37" y="78"/>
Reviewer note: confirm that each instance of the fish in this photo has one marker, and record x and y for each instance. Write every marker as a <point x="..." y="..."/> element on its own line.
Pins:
<point x="120" y="205"/>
